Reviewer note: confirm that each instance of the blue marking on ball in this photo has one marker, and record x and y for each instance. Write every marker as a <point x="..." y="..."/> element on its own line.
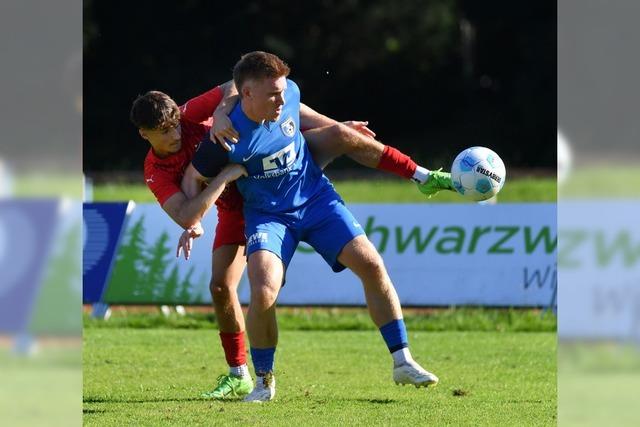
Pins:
<point x="467" y="163"/>
<point x="483" y="185"/>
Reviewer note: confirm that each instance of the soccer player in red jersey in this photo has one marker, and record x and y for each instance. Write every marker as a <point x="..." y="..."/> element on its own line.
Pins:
<point x="175" y="132"/>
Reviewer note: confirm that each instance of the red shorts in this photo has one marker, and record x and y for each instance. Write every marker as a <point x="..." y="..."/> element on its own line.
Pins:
<point x="230" y="228"/>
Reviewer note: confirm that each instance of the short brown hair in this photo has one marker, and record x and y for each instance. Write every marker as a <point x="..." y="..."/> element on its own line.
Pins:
<point x="258" y="65"/>
<point x="154" y="110"/>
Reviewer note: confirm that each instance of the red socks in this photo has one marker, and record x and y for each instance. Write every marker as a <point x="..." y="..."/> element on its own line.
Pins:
<point x="397" y="162"/>
<point x="234" y="350"/>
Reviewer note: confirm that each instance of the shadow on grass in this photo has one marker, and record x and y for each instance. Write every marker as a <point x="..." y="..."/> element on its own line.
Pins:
<point x="93" y="411"/>
<point x="377" y="401"/>
<point x="149" y="400"/>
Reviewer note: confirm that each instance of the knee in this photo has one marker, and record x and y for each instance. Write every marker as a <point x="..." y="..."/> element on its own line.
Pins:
<point x="369" y="263"/>
<point x="221" y="291"/>
<point x="263" y="294"/>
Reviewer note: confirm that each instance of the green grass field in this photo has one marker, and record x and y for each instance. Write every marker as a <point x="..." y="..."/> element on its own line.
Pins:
<point x="463" y="319"/>
<point x="598" y="384"/>
<point x="153" y="373"/>
<point x="371" y="191"/>
<point x="497" y="367"/>
<point x="42" y="389"/>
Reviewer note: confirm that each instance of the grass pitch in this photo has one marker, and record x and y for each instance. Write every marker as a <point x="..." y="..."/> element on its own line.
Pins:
<point x="41" y="389"/>
<point x="155" y="377"/>
<point x="598" y="383"/>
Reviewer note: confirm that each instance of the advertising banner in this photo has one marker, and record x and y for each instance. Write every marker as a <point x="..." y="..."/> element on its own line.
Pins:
<point x="103" y="224"/>
<point x="27" y="228"/>
<point x="599" y="270"/>
<point x="146" y="269"/>
<point x="436" y="255"/>
<point x="55" y="310"/>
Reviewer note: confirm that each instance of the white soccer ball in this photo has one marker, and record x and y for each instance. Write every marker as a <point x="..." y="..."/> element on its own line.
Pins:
<point x="478" y="173"/>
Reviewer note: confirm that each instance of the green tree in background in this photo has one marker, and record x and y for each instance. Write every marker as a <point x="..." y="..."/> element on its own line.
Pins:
<point x="186" y="294"/>
<point x="431" y="76"/>
<point x="128" y="271"/>
<point x="201" y="292"/>
<point x="61" y="288"/>
<point x="140" y="272"/>
<point x="170" y="292"/>
<point x="153" y="282"/>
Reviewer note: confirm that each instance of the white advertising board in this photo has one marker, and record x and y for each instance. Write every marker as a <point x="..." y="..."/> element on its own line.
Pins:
<point x="445" y="254"/>
<point x="436" y="255"/>
<point x="599" y="270"/>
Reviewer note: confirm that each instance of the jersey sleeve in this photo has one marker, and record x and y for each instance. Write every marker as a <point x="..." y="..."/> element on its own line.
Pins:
<point x="161" y="184"/>
<point x="210" y="158"/>
<point x="201" y="108"/>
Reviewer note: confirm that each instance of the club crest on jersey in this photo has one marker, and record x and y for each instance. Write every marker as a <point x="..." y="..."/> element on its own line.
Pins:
<point x="288" y="127"/>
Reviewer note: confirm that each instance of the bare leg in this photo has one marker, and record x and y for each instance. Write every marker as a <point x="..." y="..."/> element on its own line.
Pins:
<point x="329" y="142"/>
<point x="228" y="264"/>
<point x="361" y="257"/>
<point x="384" y="307"/>
<point x="266" y="273"/>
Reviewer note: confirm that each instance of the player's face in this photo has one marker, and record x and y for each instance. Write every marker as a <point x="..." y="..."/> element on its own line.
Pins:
<point x="165" y="141"/>
<point x="266" y="97"/>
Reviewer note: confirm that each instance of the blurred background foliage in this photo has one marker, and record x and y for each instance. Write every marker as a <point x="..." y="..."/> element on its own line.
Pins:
<point x="432" y="77"/>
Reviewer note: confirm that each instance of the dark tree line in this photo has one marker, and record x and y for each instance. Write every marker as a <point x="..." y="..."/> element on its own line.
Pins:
<point x="432" y="77"/>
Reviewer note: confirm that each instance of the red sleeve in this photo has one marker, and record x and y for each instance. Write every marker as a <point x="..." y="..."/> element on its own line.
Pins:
<point x="201" y="108"/>
<point x="162" y="184"/>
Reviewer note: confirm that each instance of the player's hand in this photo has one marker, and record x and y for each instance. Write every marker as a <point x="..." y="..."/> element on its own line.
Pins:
<point x="233" y="171"/>
<point x="360" y="127"/>
<point x="223" y="128"/>
<point x="185" y="243"/>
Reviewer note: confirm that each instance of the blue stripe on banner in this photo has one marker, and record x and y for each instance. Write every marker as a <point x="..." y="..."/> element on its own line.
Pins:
<point x="103" y="224"/>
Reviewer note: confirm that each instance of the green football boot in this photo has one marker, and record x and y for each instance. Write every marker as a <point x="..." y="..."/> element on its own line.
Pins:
<point x="229" y="387"/>
<point x="437" y="181"/>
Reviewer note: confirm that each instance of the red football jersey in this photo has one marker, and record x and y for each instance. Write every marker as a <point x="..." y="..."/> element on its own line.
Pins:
<point x="163" y="176"/>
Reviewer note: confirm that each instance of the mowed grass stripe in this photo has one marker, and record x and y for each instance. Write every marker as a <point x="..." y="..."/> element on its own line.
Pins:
<point x="342" y="318"/>
<point x="155" y="377"/>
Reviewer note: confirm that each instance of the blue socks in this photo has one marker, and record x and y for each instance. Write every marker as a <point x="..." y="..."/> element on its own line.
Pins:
<point x="262" y="360"/>
<point x="395" y="335"/>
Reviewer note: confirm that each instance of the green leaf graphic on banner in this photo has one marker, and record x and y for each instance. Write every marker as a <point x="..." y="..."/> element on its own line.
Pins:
<point x="187" y="294"/>
<point x="148" y="274"/>
<point x="127" y="272"/>
<point x="153" y="283"/>
<point x="61" y="288"/>
<point x="171" y="287"/>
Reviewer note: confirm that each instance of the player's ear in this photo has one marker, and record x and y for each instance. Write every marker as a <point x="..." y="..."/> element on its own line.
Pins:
<point x="143" y="134"/>
<point x="246" y="91"/>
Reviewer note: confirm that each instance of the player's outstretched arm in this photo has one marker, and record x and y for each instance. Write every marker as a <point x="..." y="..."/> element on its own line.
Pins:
<point x="191" y="205"/>
<point x="200" y="108"/>
<point x="311" y="119"/>
<point x="188" y="211"/>
<point x="222" y="126"/>
<point x="356" y="141"/>
<point x="215" y="104"/>
<point x="329" y="139"/>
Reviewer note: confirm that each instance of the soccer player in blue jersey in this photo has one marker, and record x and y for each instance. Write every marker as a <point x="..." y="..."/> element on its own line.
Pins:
<point x="287" y="199"/>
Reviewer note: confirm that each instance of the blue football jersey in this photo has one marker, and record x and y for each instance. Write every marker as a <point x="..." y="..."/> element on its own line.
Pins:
<point x="282" y="173"/>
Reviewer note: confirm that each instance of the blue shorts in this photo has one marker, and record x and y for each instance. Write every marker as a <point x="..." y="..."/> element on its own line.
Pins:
<point x="325" y="223"/>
